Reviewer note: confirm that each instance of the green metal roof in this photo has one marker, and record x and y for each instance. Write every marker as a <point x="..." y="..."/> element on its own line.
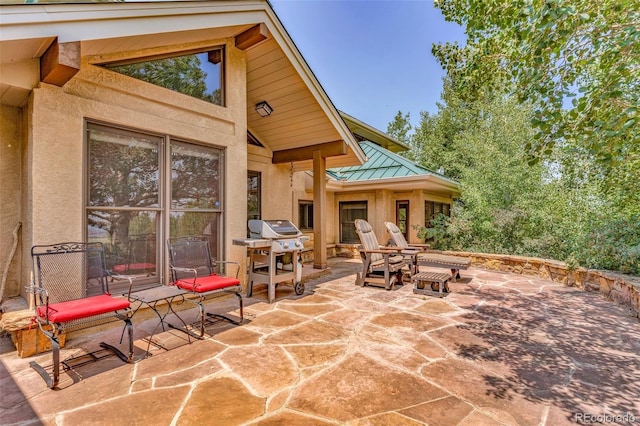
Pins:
<point x="381" y="163"/>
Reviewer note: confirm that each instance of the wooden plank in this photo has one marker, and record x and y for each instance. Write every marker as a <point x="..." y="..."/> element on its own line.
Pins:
<point x="252" y="36"/>
<point x="31" y="341"/>
<point x="60" y="63"/>
<point x="328" y="149"/>
<point x="374" y="280"/>
<point x="319" y="210"/>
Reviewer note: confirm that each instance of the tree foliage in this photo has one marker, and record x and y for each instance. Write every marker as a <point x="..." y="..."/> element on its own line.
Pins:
<point x="182" y="74"/>
<point x="577" y="62"/>
<point x="563" y="208"/>
<point x="400" y="127"/>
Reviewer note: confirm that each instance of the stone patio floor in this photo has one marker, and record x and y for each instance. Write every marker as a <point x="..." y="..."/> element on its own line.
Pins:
<point x="500" y="349"/>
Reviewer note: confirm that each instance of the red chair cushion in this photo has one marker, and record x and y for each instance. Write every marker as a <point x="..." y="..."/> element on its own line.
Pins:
<point x="209" y="283"/>
<point x="83" y="308"/>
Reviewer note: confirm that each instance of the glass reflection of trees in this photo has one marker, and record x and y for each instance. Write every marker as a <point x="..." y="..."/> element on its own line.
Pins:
<point x="123" y="195"/>
<point x="195" y="192"/>
<point x="124" y="204"/>
<point x="194" y="75"/>
<point x="195" y="177"/>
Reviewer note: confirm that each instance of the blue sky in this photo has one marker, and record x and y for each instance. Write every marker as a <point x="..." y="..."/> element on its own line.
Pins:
<point x="373" y="58"/>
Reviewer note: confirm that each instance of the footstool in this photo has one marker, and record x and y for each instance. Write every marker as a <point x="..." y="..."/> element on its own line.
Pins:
<point x="431" y="283"/>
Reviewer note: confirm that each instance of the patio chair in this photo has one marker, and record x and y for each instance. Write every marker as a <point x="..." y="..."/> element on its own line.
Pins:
<point x="70" y="291"/>
<point x="410" y="251"/>
<point x="424" y="258"/>
<point x="381" y="266"/>
<point x="193" y="270"/>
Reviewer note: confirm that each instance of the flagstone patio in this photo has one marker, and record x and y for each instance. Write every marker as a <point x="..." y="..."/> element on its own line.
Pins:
<point x="500" y="349"/>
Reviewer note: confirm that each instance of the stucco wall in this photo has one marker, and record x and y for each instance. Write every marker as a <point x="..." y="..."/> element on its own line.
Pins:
<point x="277" y="193"/>
<point x="55" y="154"/>
<point x="11" y="133"/>
<point x="382" y="208"/>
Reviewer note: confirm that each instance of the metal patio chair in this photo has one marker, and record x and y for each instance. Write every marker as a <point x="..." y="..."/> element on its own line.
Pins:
<point x="193" y="270"/>
<point x="381" y="266"/>
<point x="70" y="291"/>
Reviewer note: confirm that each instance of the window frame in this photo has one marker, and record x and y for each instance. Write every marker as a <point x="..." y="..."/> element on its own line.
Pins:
<point x="303" y="219"/>
<point x="403" y="205"/>
<point x="212" y="55"/>
<point x="164" y="210"/>
<point x="434" y="208"/>
<point x="343" y="223"/>
<point x="257" y="175"/>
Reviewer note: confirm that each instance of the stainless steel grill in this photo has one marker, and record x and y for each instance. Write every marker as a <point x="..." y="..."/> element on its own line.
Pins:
<point x="274" y="251"/>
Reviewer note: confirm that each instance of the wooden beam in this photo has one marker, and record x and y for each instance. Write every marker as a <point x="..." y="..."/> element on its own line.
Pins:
<point x="252" y="36"/>
<point x="329" y="149"/>
<point x="215" y="56"/>
<point x="319" y="211"/>
<point x="60" y="63"/>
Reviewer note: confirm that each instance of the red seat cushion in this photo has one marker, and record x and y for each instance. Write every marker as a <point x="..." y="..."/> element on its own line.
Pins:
<point x="209" y="283"/>
<point x="83" y="308"/>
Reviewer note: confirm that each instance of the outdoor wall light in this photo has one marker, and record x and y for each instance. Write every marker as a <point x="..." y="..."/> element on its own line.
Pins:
<point x="263" y="109"/>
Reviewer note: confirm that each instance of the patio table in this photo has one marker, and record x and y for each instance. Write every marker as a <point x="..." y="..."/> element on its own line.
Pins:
<point x="160" y="300"/>
<point x="423" y="281"/>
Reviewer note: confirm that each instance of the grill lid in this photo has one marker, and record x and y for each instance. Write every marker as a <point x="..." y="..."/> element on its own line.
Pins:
<point x="273" y="229"/>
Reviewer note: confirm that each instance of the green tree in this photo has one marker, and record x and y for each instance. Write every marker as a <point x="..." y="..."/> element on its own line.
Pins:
<point x="507" y="205"/>
<point x="182" y="74"/>
<point x="432" y="144"/>
<point x="400" y="127"/>
<point x="577" y="62"/>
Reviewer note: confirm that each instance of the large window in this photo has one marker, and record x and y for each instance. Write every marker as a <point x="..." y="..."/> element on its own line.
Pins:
<point x="349" y="212"/>
<point x="197" y="74"/>
<point x="432" y="209"/>
<point x="305" y="215"/>
<point x="142" y="189"/>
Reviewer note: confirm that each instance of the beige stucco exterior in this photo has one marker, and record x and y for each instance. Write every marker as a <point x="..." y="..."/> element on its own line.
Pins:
<point x="381" y="206"/>
<point x="11" y="199"/>
<point x="53" y="164"/>
<point x="43" y="125"/>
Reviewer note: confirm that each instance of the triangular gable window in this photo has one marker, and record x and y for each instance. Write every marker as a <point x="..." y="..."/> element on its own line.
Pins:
<point x="197" y="74"/>
<point x="252" y="140"/>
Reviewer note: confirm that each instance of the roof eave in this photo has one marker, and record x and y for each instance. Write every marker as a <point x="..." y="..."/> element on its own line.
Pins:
<point x="425" y="182"/>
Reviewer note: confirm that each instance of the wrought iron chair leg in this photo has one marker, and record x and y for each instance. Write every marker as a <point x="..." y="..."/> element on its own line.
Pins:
<point x="125" y="358"/>
<point x="50" y="380"/>
<point x="130" y="332"/>
<point x="240" y="302"/>
<point x="53" y="379"/>
<point x="202" y="318"/>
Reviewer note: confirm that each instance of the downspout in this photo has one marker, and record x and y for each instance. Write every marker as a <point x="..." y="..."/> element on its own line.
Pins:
<point x="5" y="274"/>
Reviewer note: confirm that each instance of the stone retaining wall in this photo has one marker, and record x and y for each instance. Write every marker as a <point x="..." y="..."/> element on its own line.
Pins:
<point x="620" y="288"/>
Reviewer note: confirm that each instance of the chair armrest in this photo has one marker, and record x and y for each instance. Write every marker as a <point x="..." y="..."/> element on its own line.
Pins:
<point x="35" y="290"/>
<point x="388" y="250"/>
<point x="396" y="249"/>
<point x="421" y="247"/>
<point x="122" y="278"/>
<point x="229" y="262"/>
<point x="188" y="270"/>
<point x="410" y="252"/>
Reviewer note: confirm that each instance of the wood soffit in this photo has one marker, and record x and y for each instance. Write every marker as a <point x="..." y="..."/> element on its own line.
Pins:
<point x="329" y="149"/>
